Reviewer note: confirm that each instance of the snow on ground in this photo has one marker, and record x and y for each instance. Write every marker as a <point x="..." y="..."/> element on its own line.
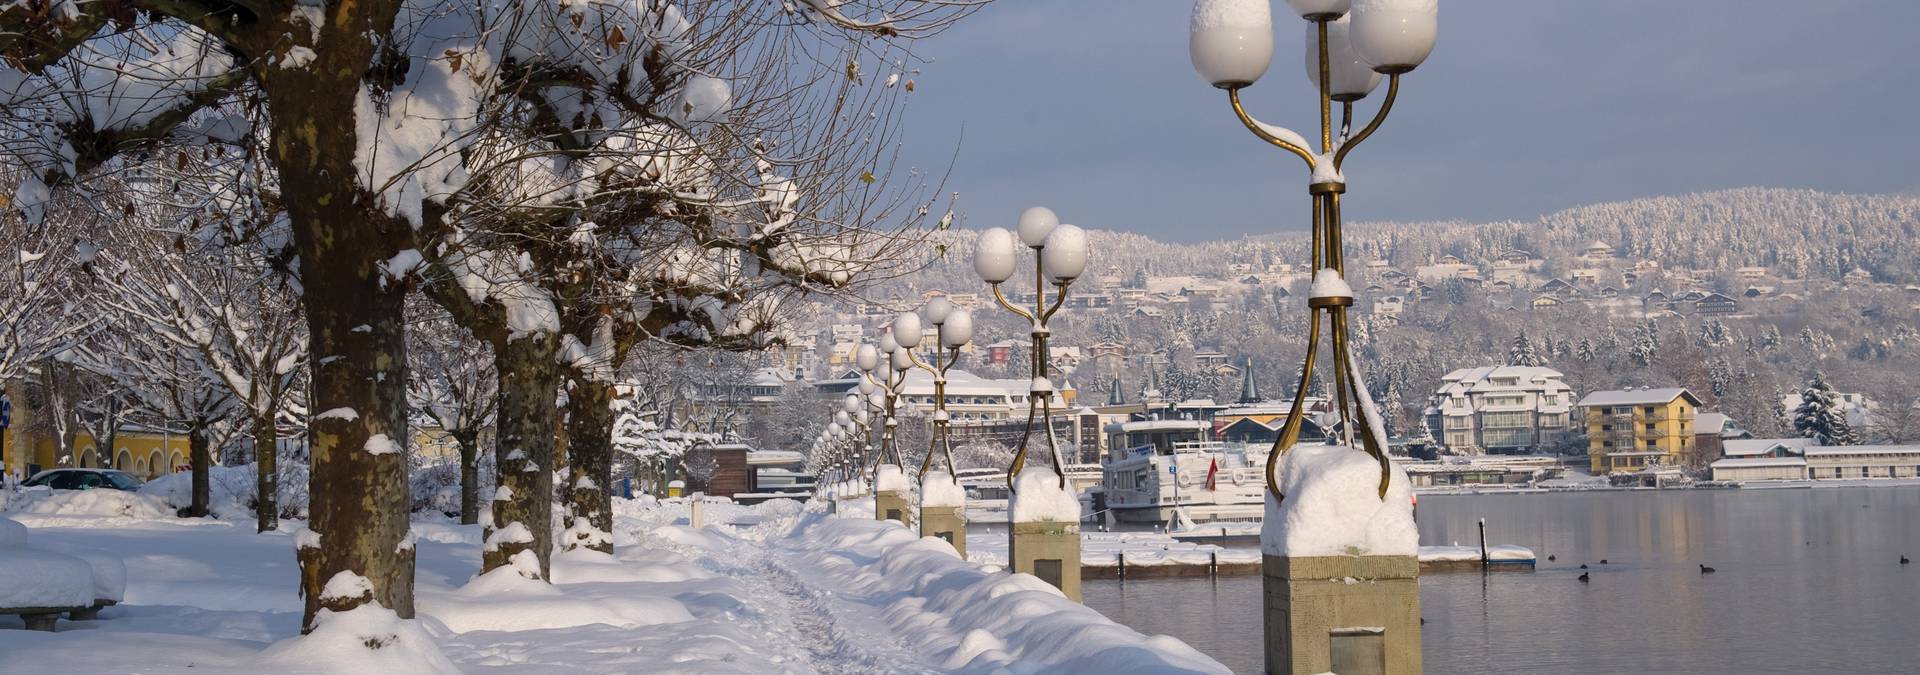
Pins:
<point x="775" y="588"/>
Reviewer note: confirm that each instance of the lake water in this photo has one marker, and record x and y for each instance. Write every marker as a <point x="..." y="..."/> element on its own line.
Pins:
<point x="1807" y="580"/>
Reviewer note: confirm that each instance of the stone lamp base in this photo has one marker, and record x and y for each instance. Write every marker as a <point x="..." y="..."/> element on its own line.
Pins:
<point x="1352" y="615"/>
<point x="893" y="506"/>
<point x="946" y="522"/>
<point x="1048" y="549"/>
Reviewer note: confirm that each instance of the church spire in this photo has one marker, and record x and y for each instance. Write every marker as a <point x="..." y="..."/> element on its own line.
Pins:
<point x="1249" y="390"/>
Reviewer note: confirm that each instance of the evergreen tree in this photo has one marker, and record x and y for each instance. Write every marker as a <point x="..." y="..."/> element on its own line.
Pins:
<point x="1522" y="353"/>
<point x="1584" y="350"/>
<point x="1822" y="417"/>
<point x="1720" y="376"/>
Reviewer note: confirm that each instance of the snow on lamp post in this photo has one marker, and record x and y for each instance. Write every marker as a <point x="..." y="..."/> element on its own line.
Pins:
<point x="1340" y="511"/>
<point x="943" y="503"/>
<point x="1045" y="515"/>
<point x="892" y="491"/>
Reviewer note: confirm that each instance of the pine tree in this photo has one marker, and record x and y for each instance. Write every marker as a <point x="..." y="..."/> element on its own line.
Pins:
<point x="1720" y="376"/>
<point x="1821" y="416"/>
<point x="1522" y="353"/>
<point x="1584" y="350"/>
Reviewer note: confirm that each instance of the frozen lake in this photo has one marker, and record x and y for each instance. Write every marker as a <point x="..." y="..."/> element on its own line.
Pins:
<point x="1808" y="580"/>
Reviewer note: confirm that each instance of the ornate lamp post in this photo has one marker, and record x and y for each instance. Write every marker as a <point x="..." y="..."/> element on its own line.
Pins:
<point x="943" y="503"/>
<point x="1044" y="514"/>
<point x="1350" y="45"/>
<point x="892" y="492"/>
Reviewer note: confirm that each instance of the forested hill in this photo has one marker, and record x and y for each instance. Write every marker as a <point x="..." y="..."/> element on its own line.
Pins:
<point x="1795" y="233"/>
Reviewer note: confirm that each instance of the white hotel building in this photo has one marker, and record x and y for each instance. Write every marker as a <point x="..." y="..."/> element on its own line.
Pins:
<point x="1500" y="410"/>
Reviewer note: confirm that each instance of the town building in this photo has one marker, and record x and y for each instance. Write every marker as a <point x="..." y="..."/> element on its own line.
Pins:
<point x="1500" y="409"/>
<point x="1629" y="430"/>
<point x="1800" y="459"/>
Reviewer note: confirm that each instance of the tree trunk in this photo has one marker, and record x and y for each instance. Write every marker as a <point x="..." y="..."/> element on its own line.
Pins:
<point x="356" y="331"/>
<point x="266" y="457"/>
<point x="469" y="442"/>
<point x="201" y="458"/>
<point x="522" y="505"/>
<point x="590" y="466"/>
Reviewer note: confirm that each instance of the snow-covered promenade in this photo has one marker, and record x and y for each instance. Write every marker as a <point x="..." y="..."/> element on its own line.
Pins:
<point x="782" y="589"/>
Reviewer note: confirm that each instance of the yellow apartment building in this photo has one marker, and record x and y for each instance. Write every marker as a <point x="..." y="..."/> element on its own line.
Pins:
<point x="1628" y="430"/>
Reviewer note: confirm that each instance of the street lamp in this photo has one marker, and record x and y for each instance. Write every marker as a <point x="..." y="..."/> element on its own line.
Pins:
<point x="1347" y="52"/>
<point x="1350" y="44"/>
<point x="942" y="500"/>
<point x="953" y="328"/>
<point x="1060" y="256"/>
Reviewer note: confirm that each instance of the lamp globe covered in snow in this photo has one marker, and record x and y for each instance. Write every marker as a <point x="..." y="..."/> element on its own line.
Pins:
<point x="1344" y="511"/>
<point x="851" y="403"/>
<point x="1395" y="36"/>
<point x="906" y="329"/>
<point x="937" y="309"/>
<point x="1066" y="253"/>
<point x="994" y="255"/>
<point x="1232" y="41"/>
<point x="888" y="344"/>
<point x="1349" y="78"/>
<point x="866" y="357"/>
<point x="957" y="330"/>
<point x="1035" y="224"/>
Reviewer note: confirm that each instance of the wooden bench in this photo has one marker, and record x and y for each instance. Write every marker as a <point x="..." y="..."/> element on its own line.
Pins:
<point x="43" y="618"/>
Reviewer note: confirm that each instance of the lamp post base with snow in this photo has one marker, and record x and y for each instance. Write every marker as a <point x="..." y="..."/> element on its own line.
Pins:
<point x="943" y="510"/>
<point x="1045" y="531"/>
<point x="1340" y="567"/>
<point x="892" y="498"/>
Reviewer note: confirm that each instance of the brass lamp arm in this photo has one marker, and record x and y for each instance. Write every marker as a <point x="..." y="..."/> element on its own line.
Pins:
<point x="1059" y="300"/>
<point x="1260" y="129"/>
<point x="1001" y="297"/>
<point x="1393" y="91"/>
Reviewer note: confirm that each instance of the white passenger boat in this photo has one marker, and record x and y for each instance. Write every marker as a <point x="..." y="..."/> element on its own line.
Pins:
<point x="1157" y="467"/>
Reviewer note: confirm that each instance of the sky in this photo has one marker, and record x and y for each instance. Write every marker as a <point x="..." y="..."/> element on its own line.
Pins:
<point x="1526" y="107"/>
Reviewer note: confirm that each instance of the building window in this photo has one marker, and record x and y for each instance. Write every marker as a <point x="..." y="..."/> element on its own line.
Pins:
<point x="1549" y="399"/>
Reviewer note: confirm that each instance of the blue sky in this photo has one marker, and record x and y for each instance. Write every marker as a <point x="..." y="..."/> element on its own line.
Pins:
<point x="1526" y="107"/>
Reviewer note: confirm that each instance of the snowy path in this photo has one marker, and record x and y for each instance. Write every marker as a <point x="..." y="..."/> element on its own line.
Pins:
<point x="785" y="591"/>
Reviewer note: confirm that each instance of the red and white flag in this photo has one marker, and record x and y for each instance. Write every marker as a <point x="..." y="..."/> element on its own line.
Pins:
<point x="1213" y="473"/>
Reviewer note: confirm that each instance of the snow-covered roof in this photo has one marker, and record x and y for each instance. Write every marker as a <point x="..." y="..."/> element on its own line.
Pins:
<point x="1753" y="447"/>
<point x="775" y="457"/>
<point x="1736" y="462"/>
<point x="1637" y="396"/>
<point x="1820" y="450"/>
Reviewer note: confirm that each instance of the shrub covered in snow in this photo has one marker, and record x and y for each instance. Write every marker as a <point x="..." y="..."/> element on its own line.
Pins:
<point x="108" y="503"/>
<point x="231" y="490"/>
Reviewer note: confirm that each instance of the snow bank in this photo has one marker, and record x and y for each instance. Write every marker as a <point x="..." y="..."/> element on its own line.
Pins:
<point x="35" y="578"/>
<point x="366" y="639"/>
<point x="1038" y="497"/>
<point x="109" y="574"/>
<point x="12" y="533"/>
<point x="965" y="617"/>
<point x="1333" y="506"/>
<point x="939" y="489"/>
<point x="889" y="478"/>
<point x="100" y="502"/>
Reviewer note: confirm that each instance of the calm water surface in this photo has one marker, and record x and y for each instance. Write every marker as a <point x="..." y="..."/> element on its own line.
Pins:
<point x="1807" y="580"/>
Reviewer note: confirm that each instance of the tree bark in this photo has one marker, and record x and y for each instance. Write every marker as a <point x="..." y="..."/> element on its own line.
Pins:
<point x="469" y="442"/>
<point x="266" y="457"/>
<point x="355" y="324"/>
<point x="201" y="458"/>
<point x="589" y="505"/>
<point x="521" y="507"/>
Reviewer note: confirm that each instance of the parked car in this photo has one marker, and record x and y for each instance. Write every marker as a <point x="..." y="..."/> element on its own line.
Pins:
<point x="83" y="479"/>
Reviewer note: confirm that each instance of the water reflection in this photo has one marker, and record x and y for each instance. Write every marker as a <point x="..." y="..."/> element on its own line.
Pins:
<point x="1807" y="580"/>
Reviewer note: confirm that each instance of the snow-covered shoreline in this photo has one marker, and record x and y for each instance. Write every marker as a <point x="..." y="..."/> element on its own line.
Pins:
<point x="775" y="588"/>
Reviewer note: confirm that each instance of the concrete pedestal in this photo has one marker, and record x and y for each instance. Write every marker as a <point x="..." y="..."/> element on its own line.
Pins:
<point x="945" y="522"/>
<point x="1048" y="549"/>
<point x="1352" y="615"/>
<point x="893" y="506"/>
